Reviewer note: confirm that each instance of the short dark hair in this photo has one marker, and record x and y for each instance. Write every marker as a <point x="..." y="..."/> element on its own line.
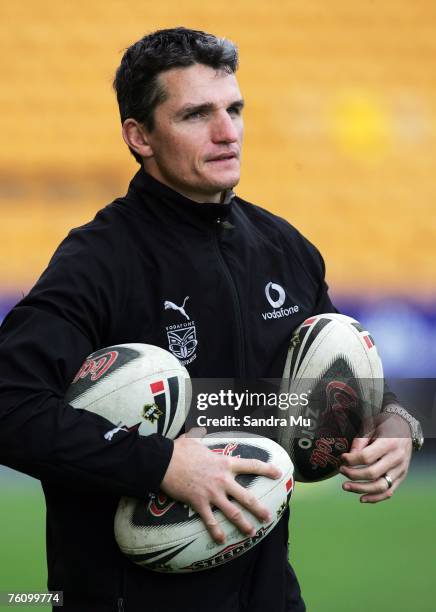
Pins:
<point x="136" y="80"/>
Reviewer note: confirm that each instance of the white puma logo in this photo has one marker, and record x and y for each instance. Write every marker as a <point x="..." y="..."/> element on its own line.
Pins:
<point x="110" y="434"/>
<point x="171" y="306"/>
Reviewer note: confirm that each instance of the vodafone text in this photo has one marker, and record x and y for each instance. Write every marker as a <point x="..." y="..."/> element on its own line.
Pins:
<point x="232" y="399"/>
<point x="283" y="312"/>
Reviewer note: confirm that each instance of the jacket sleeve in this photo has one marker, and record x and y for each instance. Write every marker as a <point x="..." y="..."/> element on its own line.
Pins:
<point x="72" y="310"/>
<point x="316" y="266"/>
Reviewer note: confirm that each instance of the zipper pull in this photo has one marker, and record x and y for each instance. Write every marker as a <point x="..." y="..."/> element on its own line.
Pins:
<point x="224" y="224"/>
<point x="120" y="604"/>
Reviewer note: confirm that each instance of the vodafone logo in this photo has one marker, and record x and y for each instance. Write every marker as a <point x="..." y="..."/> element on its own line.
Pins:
<point x="279" y="294"/>
<point x="276" y="296"/>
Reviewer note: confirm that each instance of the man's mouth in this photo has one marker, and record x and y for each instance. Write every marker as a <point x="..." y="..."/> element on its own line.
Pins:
<point x="223" y="158"/>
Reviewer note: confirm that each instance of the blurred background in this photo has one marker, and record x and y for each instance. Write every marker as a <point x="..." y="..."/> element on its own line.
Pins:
<point x="340" y="140"/>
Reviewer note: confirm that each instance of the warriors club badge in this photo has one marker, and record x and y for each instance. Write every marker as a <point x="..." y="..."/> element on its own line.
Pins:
<point x="182" y="337"/>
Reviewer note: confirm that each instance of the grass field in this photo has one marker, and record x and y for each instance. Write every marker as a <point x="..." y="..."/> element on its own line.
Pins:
<point x="348" y="556"/>
<point x="366" y="557"/>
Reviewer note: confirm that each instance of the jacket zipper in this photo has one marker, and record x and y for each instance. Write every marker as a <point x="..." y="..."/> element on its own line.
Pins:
<point x="236" y="302"/>
<point x="120" y="600"/>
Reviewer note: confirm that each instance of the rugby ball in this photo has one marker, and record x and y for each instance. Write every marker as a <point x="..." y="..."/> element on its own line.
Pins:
<point x="168" y="536"/>
<point x="334" y="368"/>
<point x="135" y="386"/>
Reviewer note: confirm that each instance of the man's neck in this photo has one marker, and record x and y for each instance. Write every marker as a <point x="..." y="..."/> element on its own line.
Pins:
<point x="221" y="197"/>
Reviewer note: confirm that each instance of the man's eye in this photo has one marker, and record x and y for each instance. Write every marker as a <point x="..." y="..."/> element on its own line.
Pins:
<point x="234" y="110"/>
<point x="195" y="115"/>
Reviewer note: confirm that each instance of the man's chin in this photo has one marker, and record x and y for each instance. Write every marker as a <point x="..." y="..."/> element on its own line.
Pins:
<point x="223" y="182"/>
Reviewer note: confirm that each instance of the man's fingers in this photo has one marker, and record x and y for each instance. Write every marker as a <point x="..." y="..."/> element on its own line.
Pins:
<point x="374" y="499"/>
<point x="235" y="515"/>
<point x="208" y="518"/>
<point x="204" y="479"/>
<point x="378" y="497"/>
<point x="359" y="444"/>
<point x="249" y="501"/>
<point x="374" y="471"/>
<point x="374" y="487"/>
<point x="370" y="454"/>
<point x="254" y="466"/>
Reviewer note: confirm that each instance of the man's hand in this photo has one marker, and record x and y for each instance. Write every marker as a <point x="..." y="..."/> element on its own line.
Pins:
<point x="377" y="454"/>
<point x="203" y="479"/>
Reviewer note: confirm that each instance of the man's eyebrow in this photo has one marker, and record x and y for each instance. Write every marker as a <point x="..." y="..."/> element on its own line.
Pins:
<point x="206" y="107"/>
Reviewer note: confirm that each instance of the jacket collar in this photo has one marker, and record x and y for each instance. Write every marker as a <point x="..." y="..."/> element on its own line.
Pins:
<point x="153" y="193"/>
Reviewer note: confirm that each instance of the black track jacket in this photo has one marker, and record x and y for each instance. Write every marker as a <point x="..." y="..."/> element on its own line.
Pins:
<point x="251" y="278"/>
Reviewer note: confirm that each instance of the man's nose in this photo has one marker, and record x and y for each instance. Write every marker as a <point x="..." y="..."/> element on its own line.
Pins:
<point x="224" y="129"/>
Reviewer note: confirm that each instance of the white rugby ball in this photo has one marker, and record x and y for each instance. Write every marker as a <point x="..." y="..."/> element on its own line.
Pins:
<point x="135" y="386"/>
<point x="168" y="536"/>
<point x="334" y="367"/>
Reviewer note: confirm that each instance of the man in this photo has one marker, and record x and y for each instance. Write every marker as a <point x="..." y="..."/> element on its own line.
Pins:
<point x="179" y="235"/>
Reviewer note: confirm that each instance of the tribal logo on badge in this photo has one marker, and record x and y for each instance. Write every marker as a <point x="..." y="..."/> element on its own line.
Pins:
<point x="182" y="343"/>
<point x="182" y="337"/>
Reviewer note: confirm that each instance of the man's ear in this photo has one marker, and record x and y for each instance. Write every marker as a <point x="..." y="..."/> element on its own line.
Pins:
<point x="136" y="138"/>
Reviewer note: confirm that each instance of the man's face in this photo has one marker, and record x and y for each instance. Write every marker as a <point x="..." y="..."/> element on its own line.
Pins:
<point x="196" y="142"/>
